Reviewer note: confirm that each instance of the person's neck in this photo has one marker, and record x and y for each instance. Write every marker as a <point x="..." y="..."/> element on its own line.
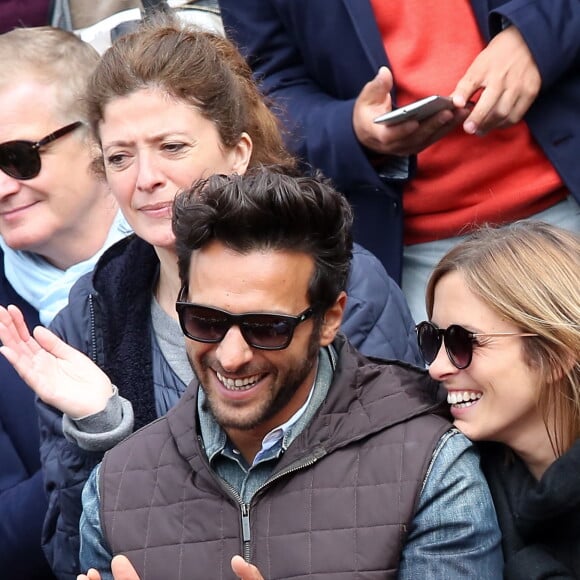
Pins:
<point x="83" y="240"/>
<point x="536" y="451"/>
<point x="169" y="284"/>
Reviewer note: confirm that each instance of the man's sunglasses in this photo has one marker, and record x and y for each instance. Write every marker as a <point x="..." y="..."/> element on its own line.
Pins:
<point x="21" y="159"/>
<point x="459" y="342"/>
<point x="261" y="330"/>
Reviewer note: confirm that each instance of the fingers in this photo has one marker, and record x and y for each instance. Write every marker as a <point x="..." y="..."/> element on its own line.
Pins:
<point x="244" y="570"/>
<point x="18" y="321"/>
<point x="123" y="569"/>
<point x="13" y="329"/>
<point x="427" y="132"/>
<point x="508" y="78"/>
<point x="52" y="344"/>
<point x="376" y="91"/>
<point x="92" y="574"/>
<point x="17" y="345"/>
<point x="407" y="138"/>
<point x="373" y="100"/>
<point x="15" y="334"/>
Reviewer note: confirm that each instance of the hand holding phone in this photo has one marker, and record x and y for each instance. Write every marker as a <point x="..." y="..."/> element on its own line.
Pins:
<point x="417" y="111"/>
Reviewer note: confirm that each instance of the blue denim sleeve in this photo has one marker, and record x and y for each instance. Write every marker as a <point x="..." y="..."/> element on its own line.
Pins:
<point x="93" y="552"/>
<point x="454" y="533"/>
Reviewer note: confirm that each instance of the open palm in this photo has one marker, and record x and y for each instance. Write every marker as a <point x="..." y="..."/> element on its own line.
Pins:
<point x="60" y="375"/>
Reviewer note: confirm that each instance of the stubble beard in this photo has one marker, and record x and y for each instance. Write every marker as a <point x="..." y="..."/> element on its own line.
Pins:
<point x="278" y="399"/>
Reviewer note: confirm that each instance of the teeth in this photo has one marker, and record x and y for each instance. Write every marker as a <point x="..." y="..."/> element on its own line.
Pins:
<point x="467" y="397"/>
<point x="238" y="384"/>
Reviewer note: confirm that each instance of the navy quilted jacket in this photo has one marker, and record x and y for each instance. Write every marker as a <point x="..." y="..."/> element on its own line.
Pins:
<point x="22" y="497"/>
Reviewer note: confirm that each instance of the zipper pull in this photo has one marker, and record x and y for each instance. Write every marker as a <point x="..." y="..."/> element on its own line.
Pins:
<point x="246" y="536"/>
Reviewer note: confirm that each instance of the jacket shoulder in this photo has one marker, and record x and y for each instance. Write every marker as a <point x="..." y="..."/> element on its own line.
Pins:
<point x="377" y="319"/>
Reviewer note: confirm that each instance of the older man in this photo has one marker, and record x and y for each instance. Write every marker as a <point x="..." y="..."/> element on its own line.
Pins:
<point x="56" y="217"/>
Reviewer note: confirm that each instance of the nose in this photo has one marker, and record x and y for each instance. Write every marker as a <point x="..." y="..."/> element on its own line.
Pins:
<point x="150" y="176"/>
<point x="8" y="185"/>
<point x="442" y="368"/>
<point x="233" y="351"/>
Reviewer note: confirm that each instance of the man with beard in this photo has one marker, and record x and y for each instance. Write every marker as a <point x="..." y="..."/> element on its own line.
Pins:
<point x="290" y="449"/>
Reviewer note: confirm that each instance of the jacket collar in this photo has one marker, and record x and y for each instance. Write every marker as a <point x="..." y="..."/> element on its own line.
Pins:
<point x="366" y="396"/>
<point x="123" y="281"/>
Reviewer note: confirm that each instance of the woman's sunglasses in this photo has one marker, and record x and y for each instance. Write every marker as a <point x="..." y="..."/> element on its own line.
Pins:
<point x="459" y="342"/>
<point x="21" y="159"/>
<point x="261" y="330"/>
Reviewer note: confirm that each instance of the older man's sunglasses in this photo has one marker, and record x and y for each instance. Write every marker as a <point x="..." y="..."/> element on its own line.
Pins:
<point x="21" y="159"/>
<point x="262" y="330"/>
<point x="459" y="342"/>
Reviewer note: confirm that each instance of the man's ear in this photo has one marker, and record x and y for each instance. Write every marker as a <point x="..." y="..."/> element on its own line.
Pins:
<point x="332" y="320"/>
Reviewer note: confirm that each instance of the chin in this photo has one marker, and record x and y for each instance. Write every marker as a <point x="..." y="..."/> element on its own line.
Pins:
<point x="165" y="240"/>
<point x="25" y="243"/>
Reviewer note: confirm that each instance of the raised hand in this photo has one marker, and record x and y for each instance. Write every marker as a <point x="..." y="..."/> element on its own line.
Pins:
<point x="507" y="75"/>
<point x="59" y="374"/>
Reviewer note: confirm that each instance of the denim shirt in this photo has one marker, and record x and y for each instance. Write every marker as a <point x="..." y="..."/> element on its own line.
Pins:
<point x="454" y="533"/>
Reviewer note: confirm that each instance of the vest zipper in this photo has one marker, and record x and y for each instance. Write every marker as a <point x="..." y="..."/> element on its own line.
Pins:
<point x="246" y="533"/>
<point x="317" y="454"/>
<point x="245" y="519"/>
<point x="245" y="507"/>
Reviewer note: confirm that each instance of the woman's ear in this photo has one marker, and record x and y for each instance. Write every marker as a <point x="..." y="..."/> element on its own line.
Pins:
<point x="241" y="154"/>
<point x="332" y="320"/>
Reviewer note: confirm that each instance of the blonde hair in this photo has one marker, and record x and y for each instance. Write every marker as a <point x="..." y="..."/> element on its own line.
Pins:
<point x="53" y="57"/>
<point x="200" y="68"/>
<point x="529" y="273"/>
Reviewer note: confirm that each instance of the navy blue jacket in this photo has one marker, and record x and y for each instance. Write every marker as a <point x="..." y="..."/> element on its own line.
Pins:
<point x="22" y="497"/>
<point x="108" y="318"/>
<point x="314" y="57"/>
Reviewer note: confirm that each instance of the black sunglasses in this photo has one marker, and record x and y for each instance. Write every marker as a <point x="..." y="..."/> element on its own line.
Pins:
<point x="21" y="159"/>
<point x="459" y="342"/>
<point x="263" y="330"/>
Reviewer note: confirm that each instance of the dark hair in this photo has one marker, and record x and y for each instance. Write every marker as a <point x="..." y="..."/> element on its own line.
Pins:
<point x="268" y="209"/>
<point x="194" y="66"/>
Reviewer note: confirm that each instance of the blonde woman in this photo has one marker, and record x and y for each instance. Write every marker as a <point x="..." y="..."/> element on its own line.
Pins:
<point x="505" y="307"/>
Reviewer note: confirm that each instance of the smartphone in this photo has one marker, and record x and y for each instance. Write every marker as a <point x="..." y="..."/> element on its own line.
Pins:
<point x="416" y="111"/>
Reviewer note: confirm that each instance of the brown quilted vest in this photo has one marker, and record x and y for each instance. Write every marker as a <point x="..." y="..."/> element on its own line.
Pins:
<point x="337" y="505"/>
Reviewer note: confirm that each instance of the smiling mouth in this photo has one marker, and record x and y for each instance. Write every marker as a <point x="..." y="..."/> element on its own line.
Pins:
<point x="16" y="210"/>
<point x="238" y="384"/>
<point x="461" y="399"/>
